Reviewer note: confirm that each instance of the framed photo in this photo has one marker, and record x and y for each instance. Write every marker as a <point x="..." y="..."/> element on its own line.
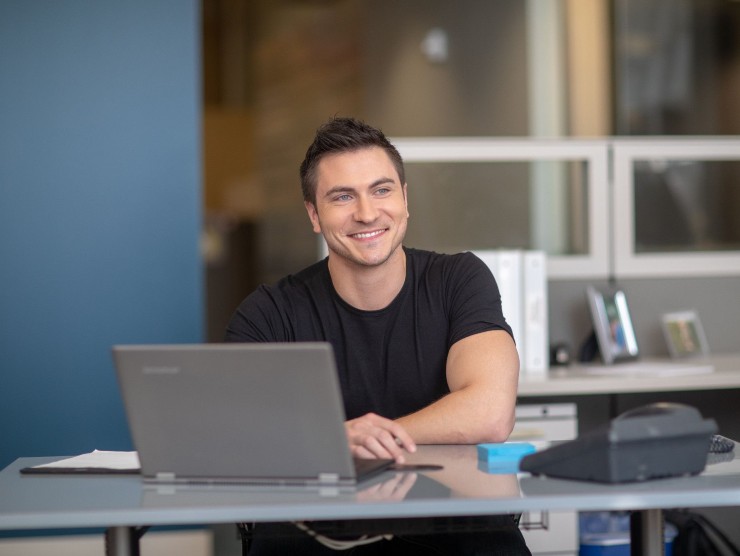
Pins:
<point x="612" y="325"/>
<point x="684" y="334"/>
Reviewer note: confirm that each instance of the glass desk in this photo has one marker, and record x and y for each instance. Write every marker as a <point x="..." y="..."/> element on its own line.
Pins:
<point x="463" y="487"/>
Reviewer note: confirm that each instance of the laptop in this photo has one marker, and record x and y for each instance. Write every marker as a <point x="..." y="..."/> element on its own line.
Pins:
<point x="258" y="413"/>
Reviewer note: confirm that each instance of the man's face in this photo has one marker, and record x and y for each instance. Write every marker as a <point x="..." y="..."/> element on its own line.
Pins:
<point x="360" y="206"/>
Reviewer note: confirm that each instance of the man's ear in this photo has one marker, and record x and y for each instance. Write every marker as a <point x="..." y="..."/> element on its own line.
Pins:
<point x="313" y="215"/>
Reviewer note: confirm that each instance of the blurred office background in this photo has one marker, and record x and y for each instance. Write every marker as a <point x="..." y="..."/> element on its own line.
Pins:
<point x="273" y="71"/>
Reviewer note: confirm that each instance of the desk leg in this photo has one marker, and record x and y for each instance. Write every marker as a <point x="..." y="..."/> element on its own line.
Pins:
<point x="646" y="533"/>
<point x="122" y="541"/>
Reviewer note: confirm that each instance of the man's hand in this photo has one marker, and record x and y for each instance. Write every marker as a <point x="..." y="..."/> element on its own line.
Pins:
<point x="373" y="436"/>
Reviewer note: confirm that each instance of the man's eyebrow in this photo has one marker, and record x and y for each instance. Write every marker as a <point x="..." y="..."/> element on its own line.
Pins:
<point x="381" y="181"/>
<point x="339" y="189"/>
<point x="351" y="189"/>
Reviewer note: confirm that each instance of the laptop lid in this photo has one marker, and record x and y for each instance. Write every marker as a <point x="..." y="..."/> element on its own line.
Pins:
<point x="236" y="413"/>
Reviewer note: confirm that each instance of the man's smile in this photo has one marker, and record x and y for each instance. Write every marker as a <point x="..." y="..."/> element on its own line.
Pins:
<point x="368" y="235"/>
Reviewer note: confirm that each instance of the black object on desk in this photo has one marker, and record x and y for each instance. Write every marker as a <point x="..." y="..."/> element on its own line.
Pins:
<point x="720" y="444"/>
<point x="650" y="442"/>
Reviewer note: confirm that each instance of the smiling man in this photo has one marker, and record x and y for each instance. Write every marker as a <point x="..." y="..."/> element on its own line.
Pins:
<point x="423" y="351"/>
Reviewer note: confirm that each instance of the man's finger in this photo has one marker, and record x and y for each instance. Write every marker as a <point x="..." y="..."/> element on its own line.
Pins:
<point x="386" y="451"/>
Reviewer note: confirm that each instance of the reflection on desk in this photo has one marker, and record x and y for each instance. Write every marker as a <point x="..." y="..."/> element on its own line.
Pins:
<point x="460" y="477"/>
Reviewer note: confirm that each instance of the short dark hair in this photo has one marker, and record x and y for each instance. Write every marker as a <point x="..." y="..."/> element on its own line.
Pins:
<point x="340" y="135"/>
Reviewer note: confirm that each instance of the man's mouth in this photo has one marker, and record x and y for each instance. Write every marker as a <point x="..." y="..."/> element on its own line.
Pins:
<point x="368" y="235"/>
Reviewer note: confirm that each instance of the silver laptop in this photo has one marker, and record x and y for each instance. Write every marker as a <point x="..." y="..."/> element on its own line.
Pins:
<point x="266" y="413"/>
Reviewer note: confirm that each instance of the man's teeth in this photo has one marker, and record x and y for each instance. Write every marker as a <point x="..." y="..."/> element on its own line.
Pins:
<point x="368" y="234"/>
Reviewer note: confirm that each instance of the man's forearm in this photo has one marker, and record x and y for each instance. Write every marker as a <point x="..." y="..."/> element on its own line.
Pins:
<point x="465" y="416"/>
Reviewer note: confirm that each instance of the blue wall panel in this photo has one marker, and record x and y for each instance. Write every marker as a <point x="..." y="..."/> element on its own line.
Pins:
<point x="99" y="209"/>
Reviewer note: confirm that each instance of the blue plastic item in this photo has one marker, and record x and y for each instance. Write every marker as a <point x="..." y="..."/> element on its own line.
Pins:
<point x="502" y="457"/>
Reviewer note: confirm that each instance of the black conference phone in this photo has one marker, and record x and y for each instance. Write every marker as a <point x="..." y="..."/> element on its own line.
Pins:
<point x="649" y="442"/>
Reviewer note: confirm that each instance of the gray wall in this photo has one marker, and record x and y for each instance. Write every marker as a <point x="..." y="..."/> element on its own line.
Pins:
<point x="99" y="209"/>
<point x="716" y="299"/>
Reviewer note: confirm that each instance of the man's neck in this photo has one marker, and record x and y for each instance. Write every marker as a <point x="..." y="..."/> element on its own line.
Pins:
<point x="369" y="288"/>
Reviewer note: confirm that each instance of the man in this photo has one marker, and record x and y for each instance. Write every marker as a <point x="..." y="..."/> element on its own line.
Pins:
<point x="423" y="351"/>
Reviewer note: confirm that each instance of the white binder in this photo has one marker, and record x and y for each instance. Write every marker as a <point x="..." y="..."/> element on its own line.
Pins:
<point x="522" y="281"/>
<point x="506" y="266"/>
<point x="535" y="361"/>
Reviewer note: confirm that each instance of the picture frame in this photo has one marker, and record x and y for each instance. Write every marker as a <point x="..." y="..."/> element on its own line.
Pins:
<point x="615" y="334"/>
<point x="684" y="334"/>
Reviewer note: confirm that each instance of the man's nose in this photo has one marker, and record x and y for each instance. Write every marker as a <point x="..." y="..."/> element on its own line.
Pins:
<point x="366" y="210"/>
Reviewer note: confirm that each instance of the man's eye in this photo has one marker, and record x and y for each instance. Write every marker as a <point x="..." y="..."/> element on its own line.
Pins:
<point x="382" y="191"/>
<point x="342" y="198"/>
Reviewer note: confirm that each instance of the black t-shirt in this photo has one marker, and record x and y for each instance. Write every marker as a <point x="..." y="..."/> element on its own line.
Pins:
<point x="391" y="361"/>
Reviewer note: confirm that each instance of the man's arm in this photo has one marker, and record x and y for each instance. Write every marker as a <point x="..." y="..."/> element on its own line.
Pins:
<point x="482" y="373"/>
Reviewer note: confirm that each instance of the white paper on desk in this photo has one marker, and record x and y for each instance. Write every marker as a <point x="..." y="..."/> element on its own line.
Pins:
<point x="650" y="369"/>
<point x="97" y="459"/>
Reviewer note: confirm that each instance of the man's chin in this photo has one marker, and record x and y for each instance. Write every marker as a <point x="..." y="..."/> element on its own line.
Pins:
<point x="368" y="260"/>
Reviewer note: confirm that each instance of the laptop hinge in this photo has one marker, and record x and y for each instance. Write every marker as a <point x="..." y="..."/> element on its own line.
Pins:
<point x="165" y="476"/>
<point x="328" y="478"/>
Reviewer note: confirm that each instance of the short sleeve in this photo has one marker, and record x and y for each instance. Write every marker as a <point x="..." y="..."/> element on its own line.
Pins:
<point x="474" y="299"/>
<point x="259" y="318"/>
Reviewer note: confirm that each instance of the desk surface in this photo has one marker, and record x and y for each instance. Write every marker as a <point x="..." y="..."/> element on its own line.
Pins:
<point x="631" y="378"/>
<point x="461" y="488"/>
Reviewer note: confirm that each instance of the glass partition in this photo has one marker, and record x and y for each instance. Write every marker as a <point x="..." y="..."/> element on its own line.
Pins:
<point x="479" y="194"/>
<point x="676" y="206"/>
<point x="458" y="206"/>
<point x="698" y="200"/>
